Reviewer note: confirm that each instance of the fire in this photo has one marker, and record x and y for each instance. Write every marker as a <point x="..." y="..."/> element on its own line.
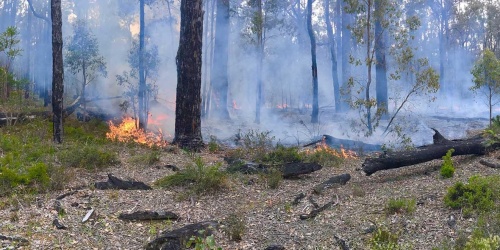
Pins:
<point x="282" y="106"/>
<point x="128" y="131"/>
<point x="342" y="153"/>
<point x="235" y="105"/>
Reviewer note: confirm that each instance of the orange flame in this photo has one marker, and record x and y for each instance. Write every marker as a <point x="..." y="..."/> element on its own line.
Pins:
<point x="282" y="106"/>
<point x="342" y="153"/>
<point x="128" y="131"/>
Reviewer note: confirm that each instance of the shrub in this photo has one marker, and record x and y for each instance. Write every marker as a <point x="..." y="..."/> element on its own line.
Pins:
<point x="213" y="146"/>
<point x="479" y="194"/>
<point x="447" y="169"/>
<point x="88" y="156"/>
<point x="235" y="226"/>
<point x="282" y="154"/>
<point x="323" y="157"/>
<point x="402" y="205"/>
<point x="256" y="144"/>
<point x="149" y="158"/>
<point x="205" y="179"/>
<point x="383" y="239"/>
<point x="273" y="178"/>
<point x="202" y="243"/>
<point x="491" y="242"/>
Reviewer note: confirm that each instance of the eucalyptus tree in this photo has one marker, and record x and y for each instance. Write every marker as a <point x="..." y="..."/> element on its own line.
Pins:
<point x="83" y="57"/>
<point x="189" y="60"/>
<point x="486" y="74"/>
<point x="9" y="48"/>
<point x="57" y="70"/>
<point x="314" y="65"/>
<point x="333" y="53"/>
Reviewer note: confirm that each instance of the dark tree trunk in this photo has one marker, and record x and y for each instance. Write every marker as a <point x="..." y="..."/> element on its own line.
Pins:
<point x="390" y="160"/>
<point x="333" y="56"/>
<point x="314" y="67"/>
<point x="142" y="95"/>
<point x="219" y="79"/>
<point x="57" y="70"/>
<point x="380" y="66"/>
<point x="189" y="59"/>
<point x="346" y="52"/>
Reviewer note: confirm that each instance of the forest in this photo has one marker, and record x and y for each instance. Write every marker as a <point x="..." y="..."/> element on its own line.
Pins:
<point x="171" y="124"/>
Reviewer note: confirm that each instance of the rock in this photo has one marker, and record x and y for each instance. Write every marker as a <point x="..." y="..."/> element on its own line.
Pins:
<point x="451" y="221"/>
<point x="149" y="215"/>
<point x="177" y="239"/>
<point x="116" y="183"/>
<point x="298" y="168"/>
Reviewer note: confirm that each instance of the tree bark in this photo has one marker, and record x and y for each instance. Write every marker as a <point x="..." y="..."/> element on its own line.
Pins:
<point x="333" y="56"/>
<point x="142" y="98"/>
<point x="189" y="59"/>
<point x="57" y="70"/>
<point x="260" y="59"/>
<point x="437" y="150"/>
<point x="314" y="67"/>
<point x="347" y="20"/>
<point x="219" y="78"/>
<point x="380" y="63"/>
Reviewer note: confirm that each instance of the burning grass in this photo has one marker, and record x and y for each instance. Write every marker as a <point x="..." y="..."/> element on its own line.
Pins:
<point x="327" y="156"/>
<point x="128" y="131"/>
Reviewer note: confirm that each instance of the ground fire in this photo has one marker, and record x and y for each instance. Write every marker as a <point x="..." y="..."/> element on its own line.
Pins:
<point x="341" y="153"/>
<point x="128" y="131"/>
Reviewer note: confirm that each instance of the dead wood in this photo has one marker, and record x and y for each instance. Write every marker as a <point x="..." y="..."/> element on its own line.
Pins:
<point x="315" y="212"/>
<point x="298" y="198"/>
<point x="343" y="245"/>
<point x="58" y="224"/>
<point x="334" y="142"/>
<point x="62" y="196"/>
<point x="149" y="215"/>
<point x="489" y="164"/>
<point x="177" y="239"/>
<point x="21" y="240"/>
<point x="169" y="166"/>
<point x="275" y="247"/>
<point x="335" y="181"/>
<point x="294" y="169"/>
<point x="390" y="160"/>
<point x="116" y="183"/>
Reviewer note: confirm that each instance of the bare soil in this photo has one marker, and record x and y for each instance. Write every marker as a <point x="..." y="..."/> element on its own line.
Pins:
<point x="270" y="217"/>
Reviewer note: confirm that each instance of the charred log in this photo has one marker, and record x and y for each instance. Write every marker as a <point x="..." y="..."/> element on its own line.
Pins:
<point x="489" y="164"/>
<point x="295" y="169"/>
<point x="316" y="212"/>
<point x="390" y="160"/>
<point x="116" y="183"/>
<point x="338" y="180"/>
<point x="177" y="239"/>
<point x="149" y="215"/>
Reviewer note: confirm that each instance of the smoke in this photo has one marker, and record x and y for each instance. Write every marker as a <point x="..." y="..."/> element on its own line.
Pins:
<point x="287" y="81"/>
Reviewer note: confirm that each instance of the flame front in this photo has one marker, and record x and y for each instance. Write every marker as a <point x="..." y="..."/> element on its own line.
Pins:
<point x="128" y="131"/>
<point x="342" y="153"/>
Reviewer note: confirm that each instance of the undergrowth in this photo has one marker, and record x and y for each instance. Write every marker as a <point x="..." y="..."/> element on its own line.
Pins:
<point x="401" y="205"/>
<point x="447" y="169"/>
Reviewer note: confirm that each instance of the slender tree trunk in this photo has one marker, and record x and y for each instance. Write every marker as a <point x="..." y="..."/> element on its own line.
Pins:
<point x="333" y="55"/>
<point x="28" y="57"/>
<point x="205" y="64"/>
<point x="57" y="70"/>
<point x="189" y="60"/>
<point x="260" y="59"/>
<point x="84" y="86"/>
<point x="219" y="78"/>
<point x="346" y="52"/>
<point x="380" y="66"/>
<point x="143" y="111"/>
<point x="369" y="67"/>
<point x="314" y="67"/>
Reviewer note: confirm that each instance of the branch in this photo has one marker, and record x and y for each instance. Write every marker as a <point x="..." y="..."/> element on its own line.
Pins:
<point x="46" y="19"/>
<point x="399" y="108"/>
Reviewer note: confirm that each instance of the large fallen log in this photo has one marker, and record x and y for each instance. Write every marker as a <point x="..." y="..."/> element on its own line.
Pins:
<point x="441" y="145"/>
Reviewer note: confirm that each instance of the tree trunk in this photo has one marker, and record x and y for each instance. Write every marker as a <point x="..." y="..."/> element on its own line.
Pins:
<point x="368" y="68"/>
<point x="380" y="64"/>
<point x="346" y="52"/>
<point x="390" y="160"/>
<point x="333" y="56"/>
<point x="315" y="105"/>
<point x="219" y="78"/>
<point x="57" y="70"/>
<point x="142" y="98"/>
<point x="260" y="59"/>
<point x="189" y="59"/>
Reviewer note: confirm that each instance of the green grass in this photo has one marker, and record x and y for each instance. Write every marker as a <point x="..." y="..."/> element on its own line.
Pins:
<point x="198" y="177"/>
<point x="149" y="158"/>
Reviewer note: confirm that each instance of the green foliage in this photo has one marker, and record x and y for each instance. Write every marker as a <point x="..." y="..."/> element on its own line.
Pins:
<point x="213" y="146"/>
<point x="447" y="169"/>
<point x="200" y="179"/>
<point x="149" y="158"/>
<point x="384" y="239"/>
<point x="235" y="226"/>
<point x="323" y="157"/>
<point x="9" y="42"/>
<point x="200" y="243"/>
<point x="402" y="205"/>
<point x="88" y="156"/>
<point x="273" y="178"/>
<point x="492" y="133"/>
<point x="282" y="154"/>
<point x="479" y="194"/>
<point x="486" y="73"/>
<point x="483" y="243"/>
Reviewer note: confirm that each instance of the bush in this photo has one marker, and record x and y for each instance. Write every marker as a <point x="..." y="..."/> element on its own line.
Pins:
<point x="407" y="206"/>
<point x="480" y="194"/>
<point x="273" y="178"/>
<point x="213" y="146"/>
<point x="205" y="179"/>
<point x="323" y="157"/>
<point x="447" y="169"/>
<point x="235" y="226"/>
<point x="282" y="154"/>
<point x="256" y="144"/>
<point x="149" y="158"/>
<point x="491" y="242"/>
<point x="383" y="239"/>
<point x="88" y="157"/>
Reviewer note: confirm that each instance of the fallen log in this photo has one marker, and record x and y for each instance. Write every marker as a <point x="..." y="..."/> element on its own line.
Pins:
<point x="441" y="145"/>
<point x="116" y="183"/>
<point x="335" y="181"/>
<point x="177" y="239"/>
<point x="489" y="164"/>
<point x="338" y="143"/>
<point x="295" y="169"/>
<point x="149" y="215"/>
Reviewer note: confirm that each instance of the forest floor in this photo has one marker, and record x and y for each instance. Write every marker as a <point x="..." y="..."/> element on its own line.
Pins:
<point x="270" y="218"/>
